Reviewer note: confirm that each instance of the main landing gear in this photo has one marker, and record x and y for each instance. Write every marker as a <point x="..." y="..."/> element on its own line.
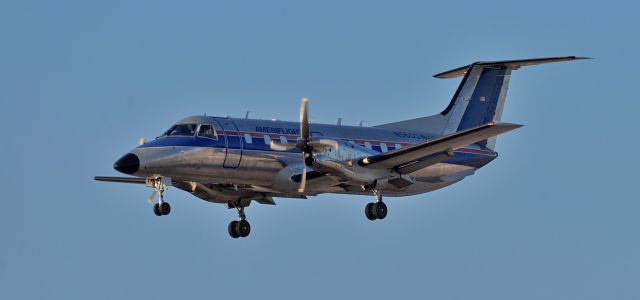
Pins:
<point x="240" y="228"/>
<point x="377" y="210"/>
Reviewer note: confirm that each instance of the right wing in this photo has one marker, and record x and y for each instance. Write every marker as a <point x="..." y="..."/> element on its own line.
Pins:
<point x="138" y="180"/>
<point x="442" y="146"/>
<point x="217" y="193"/>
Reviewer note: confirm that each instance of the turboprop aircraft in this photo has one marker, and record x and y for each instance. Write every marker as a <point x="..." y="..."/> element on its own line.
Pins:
<point x="234" y="161"/>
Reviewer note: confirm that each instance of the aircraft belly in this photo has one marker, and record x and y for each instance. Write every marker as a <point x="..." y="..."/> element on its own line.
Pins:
<point x="434" y="177"/>
<point x="414" y="189"/>
<point x="442" y="172"/>
<point x="426" y="180"/>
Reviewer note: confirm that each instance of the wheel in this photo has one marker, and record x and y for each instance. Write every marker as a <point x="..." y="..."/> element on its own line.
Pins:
<point x="381" y="210"/>
<point x="243" y="228"/>
<point x="156" y="209"/>
<point x="369" y="211"/>
<point x="232" y="229"/>
<point x="165" y="208"/>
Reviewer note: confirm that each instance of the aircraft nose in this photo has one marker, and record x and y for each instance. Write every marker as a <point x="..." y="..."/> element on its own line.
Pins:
<point x="127" y="164"/>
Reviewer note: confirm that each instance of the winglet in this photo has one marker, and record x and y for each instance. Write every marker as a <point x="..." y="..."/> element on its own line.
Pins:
<point x="513" y="64"/>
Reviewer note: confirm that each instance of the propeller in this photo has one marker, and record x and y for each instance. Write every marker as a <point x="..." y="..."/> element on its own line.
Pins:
<point x="303" y="142"/>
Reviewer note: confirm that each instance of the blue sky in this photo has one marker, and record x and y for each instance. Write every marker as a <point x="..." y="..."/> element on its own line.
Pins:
<point x="555" y="217"/>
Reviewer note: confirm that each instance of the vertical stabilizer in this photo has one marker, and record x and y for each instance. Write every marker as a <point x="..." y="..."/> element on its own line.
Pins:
<point x="479" y="99"/>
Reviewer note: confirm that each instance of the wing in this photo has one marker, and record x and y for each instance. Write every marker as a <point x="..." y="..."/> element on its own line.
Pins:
<point x="218" y="193"/>
<point x="435" y="150"/>
<point x="137" y="180"/>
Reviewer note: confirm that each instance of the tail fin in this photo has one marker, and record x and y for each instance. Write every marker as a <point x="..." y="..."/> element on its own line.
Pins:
<point x="478" y="100"/>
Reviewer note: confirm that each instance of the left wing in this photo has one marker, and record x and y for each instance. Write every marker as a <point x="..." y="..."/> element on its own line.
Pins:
<point x="442" y="146"/>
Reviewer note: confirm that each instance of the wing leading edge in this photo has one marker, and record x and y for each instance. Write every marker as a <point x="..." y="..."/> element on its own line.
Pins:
<point x="439" y="147"/>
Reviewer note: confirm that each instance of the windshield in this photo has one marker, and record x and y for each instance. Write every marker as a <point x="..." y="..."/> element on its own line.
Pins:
<point x="182" y="129"/>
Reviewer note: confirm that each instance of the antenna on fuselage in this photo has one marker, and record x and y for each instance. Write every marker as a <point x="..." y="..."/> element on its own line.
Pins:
<point x="339" y="122"/>
<point x="246" y="116"/>
<point x="361" y="123"/>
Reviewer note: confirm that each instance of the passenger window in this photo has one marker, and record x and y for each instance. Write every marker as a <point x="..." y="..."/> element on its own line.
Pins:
<point x="247" y="138"/>
<point x="398" y="146"/>
<point x="283" y="140"/>
<point x="267" y="139"/>
<point x="383" y="147"/>
<point x="207" y="131"/>
<point x="367" y="145"/>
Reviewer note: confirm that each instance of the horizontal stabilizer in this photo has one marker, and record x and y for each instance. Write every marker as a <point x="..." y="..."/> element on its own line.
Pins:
<point x="512" y="64"/>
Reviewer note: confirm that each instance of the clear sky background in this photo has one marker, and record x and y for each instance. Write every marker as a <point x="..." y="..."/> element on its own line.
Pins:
<point x="554" y="217"/>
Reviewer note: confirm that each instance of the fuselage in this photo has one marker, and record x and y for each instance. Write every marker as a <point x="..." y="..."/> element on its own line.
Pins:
<point x="222" y="150"/>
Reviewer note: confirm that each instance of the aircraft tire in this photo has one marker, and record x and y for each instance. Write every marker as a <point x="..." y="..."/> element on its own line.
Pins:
<point x="232" y="229"/>
<point x="381" y="210"/>
<point x="165" y="208"/>
<point x="156" y="209"/>
<point x="370" y="211"/>
<point x="243" y="228"/>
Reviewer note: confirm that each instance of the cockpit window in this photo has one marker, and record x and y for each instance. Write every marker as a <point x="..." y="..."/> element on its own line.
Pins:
<point x="208" y="131"/>
<point x="182" y="130"/>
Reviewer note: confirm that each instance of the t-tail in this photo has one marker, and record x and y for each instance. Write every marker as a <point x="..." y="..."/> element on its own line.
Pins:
<point x="479" y="99"/>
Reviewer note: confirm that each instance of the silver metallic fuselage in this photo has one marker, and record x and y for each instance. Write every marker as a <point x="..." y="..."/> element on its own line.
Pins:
<point x="241" y="157"/>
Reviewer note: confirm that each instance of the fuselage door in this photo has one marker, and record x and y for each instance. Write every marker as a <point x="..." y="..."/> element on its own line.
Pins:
<point x="233" y="143"/>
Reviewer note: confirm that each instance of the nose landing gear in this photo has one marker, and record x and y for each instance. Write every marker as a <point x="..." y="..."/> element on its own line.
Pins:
<point x="160" y="184"/>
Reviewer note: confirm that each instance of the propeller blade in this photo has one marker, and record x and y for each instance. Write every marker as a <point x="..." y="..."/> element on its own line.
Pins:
<point x="153" y="197"/>
<point x="304" y="120"/>
<point x="303" y="180"/>
<point x="303" y="143"/>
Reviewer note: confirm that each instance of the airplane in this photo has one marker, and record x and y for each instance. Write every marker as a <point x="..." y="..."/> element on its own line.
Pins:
<point x="234" y="161"/>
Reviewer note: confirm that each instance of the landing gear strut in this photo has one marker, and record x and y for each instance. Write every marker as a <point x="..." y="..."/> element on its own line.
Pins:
<point x="240" y="228"/>
<point x="377" y="210"/>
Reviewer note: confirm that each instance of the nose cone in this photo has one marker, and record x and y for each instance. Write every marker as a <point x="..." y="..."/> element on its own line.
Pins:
<point x="127" y="164"/>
